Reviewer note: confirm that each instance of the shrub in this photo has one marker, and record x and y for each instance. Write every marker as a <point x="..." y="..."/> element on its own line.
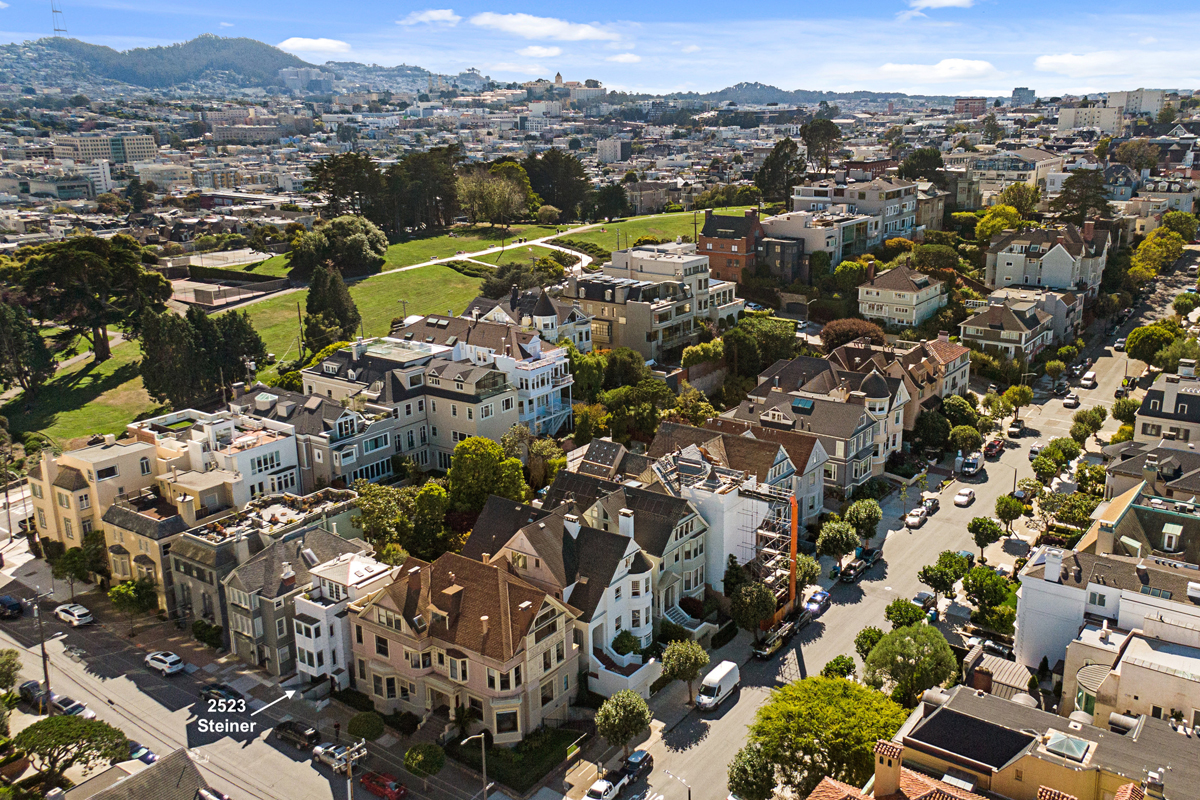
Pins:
<point x="207" y="633"/>
<point x="625" y="643"/>
<point x="366" y="725"/>
<point x="670" y="632"/>
<point x="404" y="722"/>
<point x="692" y="606"/>
<point x="355" y="699"/>
<point x="724" y="636"/>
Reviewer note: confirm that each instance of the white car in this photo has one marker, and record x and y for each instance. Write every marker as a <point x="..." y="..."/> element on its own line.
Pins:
<point x="164" y="662"/>
<point x="73" y="614"/>
<point x="916" y="518"/>
<point x="1071" y="401"/>
<point x="964" y="497"/>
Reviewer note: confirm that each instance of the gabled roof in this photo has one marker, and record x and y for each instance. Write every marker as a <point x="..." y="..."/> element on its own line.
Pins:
<point x="493" y="336"/>
<point x="263" y="573"/>
<point x="499" y="520"/>
<point x="70" y="479"/>
<point x="901" y="279"/>
<point x="172" y="777"/>
<point x="1004" y="318"/>
<point x="722" y="226"/>
<point x="727" y="450"/>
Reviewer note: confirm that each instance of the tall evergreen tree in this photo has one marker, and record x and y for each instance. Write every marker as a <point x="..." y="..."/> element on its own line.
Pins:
<point x="24" y="358"/>
<point x="135" y="194"/>
<point x="329" y="299"/>
<point x="779" y="171"/>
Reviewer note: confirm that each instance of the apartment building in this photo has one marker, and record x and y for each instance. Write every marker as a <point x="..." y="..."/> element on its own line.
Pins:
<point x="261" y="597"/>
<point x="891" y="201"/>
<point x="1023" y="96"/>
<point x="324" y="648"/>
<point x="1014" y="330"/>
<point x="1064" y="307"/>
<point x="612" y="150"/>
<point x="731" y="243"/>
<point x="1107" y="119"/>
<point x="119" y="148"/>
<point x="652" y="298"/>
<point x="832" y="228"/>
<point x="1029" y="165"/>
<point x="1139" y="102"/>
<point x="1064" y="258"/>
<point x="931" y="206"/>
<point x="1171" y="408"/>
<point x="535" y="309"/>
<point x="971" y="106"/>
<point x="1179" y="195"/>
<point x="900" y="297"/>
<point x="436" y="399"/>
<point x="458" y="632"/>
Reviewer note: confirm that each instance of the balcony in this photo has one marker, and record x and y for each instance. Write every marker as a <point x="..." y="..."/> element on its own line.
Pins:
<point x="563" y="380"/>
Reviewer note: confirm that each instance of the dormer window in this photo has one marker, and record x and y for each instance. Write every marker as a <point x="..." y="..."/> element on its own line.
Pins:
<point x="330" y="368"/>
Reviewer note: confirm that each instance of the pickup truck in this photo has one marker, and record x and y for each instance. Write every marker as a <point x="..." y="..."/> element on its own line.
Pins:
<point x="609" y="787"/>
<point x="334" y="755"/>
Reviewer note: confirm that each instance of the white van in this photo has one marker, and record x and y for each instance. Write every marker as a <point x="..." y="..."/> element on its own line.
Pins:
<point x="1088" y="381"/>
<point x="718" y="685"/>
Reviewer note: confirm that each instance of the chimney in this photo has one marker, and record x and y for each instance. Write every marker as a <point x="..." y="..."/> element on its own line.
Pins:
<point x="1089" y="230"/>
<point x="110" y="438"/>
<point x="943" y="336"/>
<point x="707" y="214"/>
<point x="1054" y="557"/>
<point x="888" y="756"/>
<point x="1187" y="367"/>
<point x="486" y="558"/>
<point x="1154" y="786"/>
<point x="483" y="621"/>
<point x="1150" y="471"/>
<point x="1104" y="631"/>
<point x="627" y="522"/>
<point x="451" y="601"/>
<point x="1142" y="573"/>
<point x="288" y="577"/>
<point x="981" y="679"/>
<point x="571" y="523"/>
<point x="239" y="389"/>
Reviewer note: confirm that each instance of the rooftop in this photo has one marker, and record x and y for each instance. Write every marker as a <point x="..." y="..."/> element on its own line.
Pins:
<point x="271" y="514"/>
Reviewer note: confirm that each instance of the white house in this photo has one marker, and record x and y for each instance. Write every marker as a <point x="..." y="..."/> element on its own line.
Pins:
<point x="901" y="297"/>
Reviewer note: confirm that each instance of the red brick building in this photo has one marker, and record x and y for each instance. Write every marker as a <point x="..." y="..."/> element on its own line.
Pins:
<point x="731" y="243"/>
<point x="975" y="106"/>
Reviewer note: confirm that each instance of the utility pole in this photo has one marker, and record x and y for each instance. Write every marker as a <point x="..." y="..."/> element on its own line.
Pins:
<point x="355" y="752"/>
<point x="37" y="614"/>
<point x="404" y="304"/>
<point x="300" y="319"/>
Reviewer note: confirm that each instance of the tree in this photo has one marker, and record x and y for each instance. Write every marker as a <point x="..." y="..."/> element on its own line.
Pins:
<point x="751" y="774"/>
<point x="25" y="360"/>
<point x="1145" y="342"/>
<point x="622" y="716"/>
<point x="939" y="580"/>
<point x="1009" y="510"/>
<point x="985" y="588"/>
<point x="1125" y="410"/>
<point x="1185" y="303"/>
<point x="931" y="429"/>
<point x="865" y="516"/>
<point x="55" y="744"/>
<point x="965" y="439"/>
<point x="752" y="604"/>
<point x="742" y="353"/>
<point x="960" y="411"/>
<point x="548" y="215"/>
<point x="349" y="183"/>
<point x="1018" y="397"/>
<point x="839" y="667"/>
<point x="1055" y="369"/>
<point x="821" y="727"/>
<point x="1083" y="195"/>
<point x="1023" y="197"/>
<point x="837" y="540"/>
<point x="489" y="197"/>
<point x="558" y="177"/>
<point x="512" y="171"/>
<point x="1180" y="222"/>
<point x="843" y="331"/>
<point x="992" y="132"/>
<point x="135" y="195"/>
<point x="903" y="613"/>
<point x="1076" y="510"/>
<point x="822" y="139"/>
<point x="1101" y="148"/>
<point x="191" y="359"/>
<point x="693" y="407"/>
<point x="1044" y="468"/>
<point x="779" y="171"/>
<point x="10" y="669"/>
<point x="328" y="297"/>
<point x="735" y="577"/>
<point x="625" y="367"/>
<point x="71" y="566"/>
<point x="924" y="163"/>
<point x="865" y="641"/>
<point x="849" y="274"/>
<point x="478" y="469"/>
<point x="939" y="260"/>
<point x="425" y="760"/>
<point x="87" y="284"/>
<point x="911" y="660"/>
<point x="133" y="598"/>
<point x="1080" y="433"/>
<point x="997" y="219"/>
<point x="1137" y="153"/>
<point x="683" y="660"/>
<point x="985" y="531"/>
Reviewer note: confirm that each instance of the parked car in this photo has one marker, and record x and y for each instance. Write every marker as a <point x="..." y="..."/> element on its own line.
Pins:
<point x="853" y="571"/>
<point x="925" y="600"/>
<point x="164" y="662"/>
<point x="336" y="756"/>
<point x="993" y="389"/>
<point x="32" y="693"/>
<point x="774" y="640"/>
<point x="1062" y="389"/>
<point x="1035" y="450"/>
<point x="1071" y="401"/>
<point x="639" y="763"/>
<point x="1016" y="429"/>
<point x="221" y="691"/>
<point x="969" y="556"/>
<point x="67" y="707"/>
<point x="868" y="555"/>
<point x="139" y="752"/>
<point x="964" y="497"/>
<point x="10" y="607"/>
<point x="932" y="504"/>
<point x="1119" y="346"/>
<point x="73" y="614"/>
<point x="609" y="787"/>
<point x="381" y="784"/>
<point x="818" y="603"/>
<point x="297" y="733"/>
<point x="994" y="448"/>
<point x="1120" y="392"/>
<point x="916" y="518"/>
<point x="717" y="685"/>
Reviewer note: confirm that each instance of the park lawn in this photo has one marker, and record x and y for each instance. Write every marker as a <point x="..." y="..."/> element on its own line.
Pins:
<point x="662" y="226"/>
<point x="514" y="253"/>
<point x="276" y="266"/>
<point x="85" y="399"/>
<point x="430" y="289"/>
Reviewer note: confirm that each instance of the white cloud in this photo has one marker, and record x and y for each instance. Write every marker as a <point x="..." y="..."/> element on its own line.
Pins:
<point x="1086" y="65"/>
<point x="431" y="16"/>
<point x="948" y="69"/>
<point x="538" y="51"/>
<point x="528" y="26"/>
<point x="522" y="69"/>
<point x="624" y="58"/>
<point x="691" y="48"/>
<point x="1147" y="40"/>
<point x="226" y="24"/>
<point x="921" y="5"/>
<point x="298" y="44"/>
<point x="3" y="5"/>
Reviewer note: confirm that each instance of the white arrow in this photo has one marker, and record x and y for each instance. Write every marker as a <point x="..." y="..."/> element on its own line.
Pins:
<point x="286" y="696"/>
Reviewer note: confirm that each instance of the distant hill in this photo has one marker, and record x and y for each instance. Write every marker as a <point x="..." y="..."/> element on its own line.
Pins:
<point x="754" y="92"/>
<point x="256" y="63"/>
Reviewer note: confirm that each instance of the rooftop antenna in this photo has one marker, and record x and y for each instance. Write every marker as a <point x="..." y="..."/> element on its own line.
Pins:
<point x="60" y="24"/>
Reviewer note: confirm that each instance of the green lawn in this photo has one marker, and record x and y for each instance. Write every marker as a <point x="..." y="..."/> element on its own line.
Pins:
<point x="432" y="289"/>
<point x="663" y="226"/>
<point x="519" y="252"/>
<point x="85" y="399"/>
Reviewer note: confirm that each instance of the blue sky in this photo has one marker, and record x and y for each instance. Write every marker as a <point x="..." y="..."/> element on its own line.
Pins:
<point x="916" y="46"/>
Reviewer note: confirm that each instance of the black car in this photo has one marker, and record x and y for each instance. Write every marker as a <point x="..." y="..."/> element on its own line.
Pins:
<point x="10" y="607"/>
<point x="33" y="693"/>
<point x="300" y="734"/>
<point x="932" y="504"/>
<point x="219" y="691"/>
<point x="853" y="571"/>
<point x="638" y="764"/>
<point x="869" y="555"/>
<point x="997" y="649"/>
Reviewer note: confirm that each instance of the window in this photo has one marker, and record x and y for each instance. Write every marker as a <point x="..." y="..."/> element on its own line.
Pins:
<point x="265" y="462"/>
<point x="377" y="442"/>
<point x="454" y="409"/>
<point x="560" y="652"/>
<point x="106" y="473"/>
<point x="547" y="664"/>
<point x="1096" y="599"/>
<point x="617" y="595"/>
<point x="506" y="722"/>
<point x="458" y="669"/>
<point x="362" y="670"/>
<point x="86" y="502"/>
<point x="1170" y="542"/>
<point x="516" y="677"/>
<point x="470" y="413"/>
<point x="145" y="466"/>
<point x="280" y="628"/>
<point x="378" y="685"/>
<point x="635" y="619"/>
<point x="381" y="646"/>
<point x="358" y="637"/>
<point x="506" y="404"/>
<point x="64" y="499"/>
<point x="67" y="529"/>
<point x="547" y="693"/>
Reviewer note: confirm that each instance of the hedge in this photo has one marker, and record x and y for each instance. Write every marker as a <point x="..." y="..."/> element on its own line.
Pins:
<point x="470" y="268"/>
<point x="365" y="725"/>
<point x="355" y="699"/>
<point x="724" y="636"/>
<point x="198" y="273"/>
<point x="598" y="252"/>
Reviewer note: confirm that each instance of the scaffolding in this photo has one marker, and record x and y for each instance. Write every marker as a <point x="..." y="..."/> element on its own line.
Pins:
<point x="772" y="542"/>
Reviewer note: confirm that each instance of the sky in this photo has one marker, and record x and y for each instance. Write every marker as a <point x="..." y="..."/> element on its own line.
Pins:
<point x="951" y="47"/>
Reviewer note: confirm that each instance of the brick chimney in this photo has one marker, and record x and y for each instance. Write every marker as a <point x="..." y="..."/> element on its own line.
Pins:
<point x="1089" y="230"/>
<point x="751" y="212"/>
<point x="981" y="679"/>
<point x="871" y="271"/>
<point x="288" y="577"/>
<point x="887" y="768"/>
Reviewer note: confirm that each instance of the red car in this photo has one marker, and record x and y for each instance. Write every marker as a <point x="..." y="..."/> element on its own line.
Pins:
<point x="994" y="448"/>
<point x="384" y="785"/>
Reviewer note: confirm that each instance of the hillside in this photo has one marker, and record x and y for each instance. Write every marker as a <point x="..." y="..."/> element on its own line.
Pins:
<point x="754" y="92"/>
<point x="159" y="67"/>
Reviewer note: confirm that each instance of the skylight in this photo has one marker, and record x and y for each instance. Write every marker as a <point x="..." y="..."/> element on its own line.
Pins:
<point x="1067" y="746"/>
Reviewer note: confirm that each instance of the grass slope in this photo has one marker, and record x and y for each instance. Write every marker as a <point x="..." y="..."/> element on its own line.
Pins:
<point x="662" y="226"/>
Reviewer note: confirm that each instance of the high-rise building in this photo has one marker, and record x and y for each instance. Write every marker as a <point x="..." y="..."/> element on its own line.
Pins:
<point x="1023" y="96"/>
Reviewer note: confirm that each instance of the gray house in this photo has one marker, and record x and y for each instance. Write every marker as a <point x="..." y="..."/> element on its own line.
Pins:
<point x="261" y="596"/>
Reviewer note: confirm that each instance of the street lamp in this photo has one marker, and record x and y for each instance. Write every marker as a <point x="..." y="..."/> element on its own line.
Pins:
<point x="483" y="757"/>
<point x="681" y="780"/>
